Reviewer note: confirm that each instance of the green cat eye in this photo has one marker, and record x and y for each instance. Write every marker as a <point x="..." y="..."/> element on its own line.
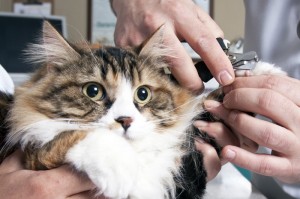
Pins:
<point x="142" y="95"/>
<point x="94" y="91"/>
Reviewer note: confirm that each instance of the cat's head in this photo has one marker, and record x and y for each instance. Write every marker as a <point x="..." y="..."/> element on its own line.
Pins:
<point x="124" y="90"/>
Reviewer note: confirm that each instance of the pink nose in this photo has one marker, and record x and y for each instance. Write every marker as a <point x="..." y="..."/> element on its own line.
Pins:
<point x="124" y="121"/>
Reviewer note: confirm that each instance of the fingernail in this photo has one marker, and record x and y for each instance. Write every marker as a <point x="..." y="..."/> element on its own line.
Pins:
<point x="229" y="154"/>
<point x="211" y="104"/>
<point x="200" y="123"/>
<point x="225" y="77"/>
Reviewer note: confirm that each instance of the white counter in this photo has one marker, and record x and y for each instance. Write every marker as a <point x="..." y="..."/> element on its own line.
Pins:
<point x="231" y="184"/>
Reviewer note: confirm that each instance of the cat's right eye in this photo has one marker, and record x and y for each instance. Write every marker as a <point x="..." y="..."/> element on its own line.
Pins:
<point x="94" y="91"/>
<point x="142" y="95"/>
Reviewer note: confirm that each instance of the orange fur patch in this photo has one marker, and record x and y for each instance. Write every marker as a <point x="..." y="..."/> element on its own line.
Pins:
<point x="52" y="154"/>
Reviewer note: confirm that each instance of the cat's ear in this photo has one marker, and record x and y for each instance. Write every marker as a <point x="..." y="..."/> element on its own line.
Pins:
<point x="52" y="49"/>
<point x="154" y="46"/>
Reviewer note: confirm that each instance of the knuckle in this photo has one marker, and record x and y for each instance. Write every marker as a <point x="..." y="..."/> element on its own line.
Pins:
<point x="265" y="167"/>
<point x="219" y="129"/>
<point x="234" y="118"/>
<point x="266" y="136"/>
<point x="266" y="99"/>
<point x="175" y="7"/>
<point x="210" y="153"/>
<point x="150" y="21"/>
<point x="204" y="41"/>
<point x="271" y="82"/>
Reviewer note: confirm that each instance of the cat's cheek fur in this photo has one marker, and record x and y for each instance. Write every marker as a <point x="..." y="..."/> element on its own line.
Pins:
<point x="139" y="130"/>
<point x="108" y="160"/>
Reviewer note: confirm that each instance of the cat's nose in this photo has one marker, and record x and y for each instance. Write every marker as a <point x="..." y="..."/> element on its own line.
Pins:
<point x="124" y="121"/>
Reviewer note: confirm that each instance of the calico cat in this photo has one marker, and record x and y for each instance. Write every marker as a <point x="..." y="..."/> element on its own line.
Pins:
<point x="111" y="113"/>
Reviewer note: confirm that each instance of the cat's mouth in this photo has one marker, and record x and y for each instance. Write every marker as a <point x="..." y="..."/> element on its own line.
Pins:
<point x="120" y="130"/>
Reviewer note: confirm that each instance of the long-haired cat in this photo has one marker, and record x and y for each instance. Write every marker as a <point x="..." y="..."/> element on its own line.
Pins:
<point x="110" y="113"/>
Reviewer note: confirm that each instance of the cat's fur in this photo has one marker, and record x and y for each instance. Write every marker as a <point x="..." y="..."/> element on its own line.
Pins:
<point x="128" y="147"/>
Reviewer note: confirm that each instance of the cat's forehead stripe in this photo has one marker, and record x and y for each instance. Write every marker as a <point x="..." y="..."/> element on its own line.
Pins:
<point x="119" y="61"/>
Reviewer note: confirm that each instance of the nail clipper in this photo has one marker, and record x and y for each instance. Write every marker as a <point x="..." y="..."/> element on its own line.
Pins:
<point x="239" y="61"/>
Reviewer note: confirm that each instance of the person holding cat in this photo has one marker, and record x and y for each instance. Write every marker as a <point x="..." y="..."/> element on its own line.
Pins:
<point x="271" y="30"/>
<point x="62" y="182"/>
<point x="52" y="185"/>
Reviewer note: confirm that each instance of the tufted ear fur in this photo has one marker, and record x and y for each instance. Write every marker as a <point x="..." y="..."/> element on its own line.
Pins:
<point x="154" y="46"/>
<point x="52" y="49"/>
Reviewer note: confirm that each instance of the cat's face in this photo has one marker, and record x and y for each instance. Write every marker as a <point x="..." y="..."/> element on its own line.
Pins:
<point x="125" y="91"/>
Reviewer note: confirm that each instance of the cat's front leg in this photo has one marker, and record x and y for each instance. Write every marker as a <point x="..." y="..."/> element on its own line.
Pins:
<point x="108" y="160"/>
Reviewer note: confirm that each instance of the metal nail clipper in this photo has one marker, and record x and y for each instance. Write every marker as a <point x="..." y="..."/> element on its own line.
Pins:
<point x="239" y="61"/>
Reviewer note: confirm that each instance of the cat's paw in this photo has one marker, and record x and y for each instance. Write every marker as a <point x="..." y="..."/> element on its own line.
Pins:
<point x="114" y="183"/>
<point x="109" y="161"/>
<point x="261" y="68"/>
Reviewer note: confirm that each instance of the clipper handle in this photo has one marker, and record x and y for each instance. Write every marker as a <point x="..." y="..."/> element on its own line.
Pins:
<point x="201" y="67"/>
<point x="203" y="71"/>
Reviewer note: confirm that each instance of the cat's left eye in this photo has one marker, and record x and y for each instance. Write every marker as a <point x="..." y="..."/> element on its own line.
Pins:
<point x="94" y="91"/>
<point x="142" y="95"/>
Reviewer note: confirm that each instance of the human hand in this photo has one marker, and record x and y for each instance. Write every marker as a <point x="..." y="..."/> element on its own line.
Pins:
<point x="211" y="160"/>
<point x="60" y="183"/>
<point x="184" y="21"/>
<point x="276" y="98"/>
<point x="224" y="136"/>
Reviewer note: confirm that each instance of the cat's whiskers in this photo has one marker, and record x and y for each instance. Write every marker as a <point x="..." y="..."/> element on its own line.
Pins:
<point x="186" y="104"/>
<point x="82" y="124"/>
<point x="182" y="116"/>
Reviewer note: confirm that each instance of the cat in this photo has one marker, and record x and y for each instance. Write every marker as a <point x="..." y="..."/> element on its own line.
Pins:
<point x="111" y="113"/>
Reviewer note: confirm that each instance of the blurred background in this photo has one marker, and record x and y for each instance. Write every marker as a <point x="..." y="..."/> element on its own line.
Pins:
<point x="228" y="14"/>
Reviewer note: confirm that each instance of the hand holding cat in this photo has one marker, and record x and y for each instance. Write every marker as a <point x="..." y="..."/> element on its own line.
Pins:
<point x="277" y="98"/>
<point x="19" y="183"/>
<point x="184" y="21"/>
